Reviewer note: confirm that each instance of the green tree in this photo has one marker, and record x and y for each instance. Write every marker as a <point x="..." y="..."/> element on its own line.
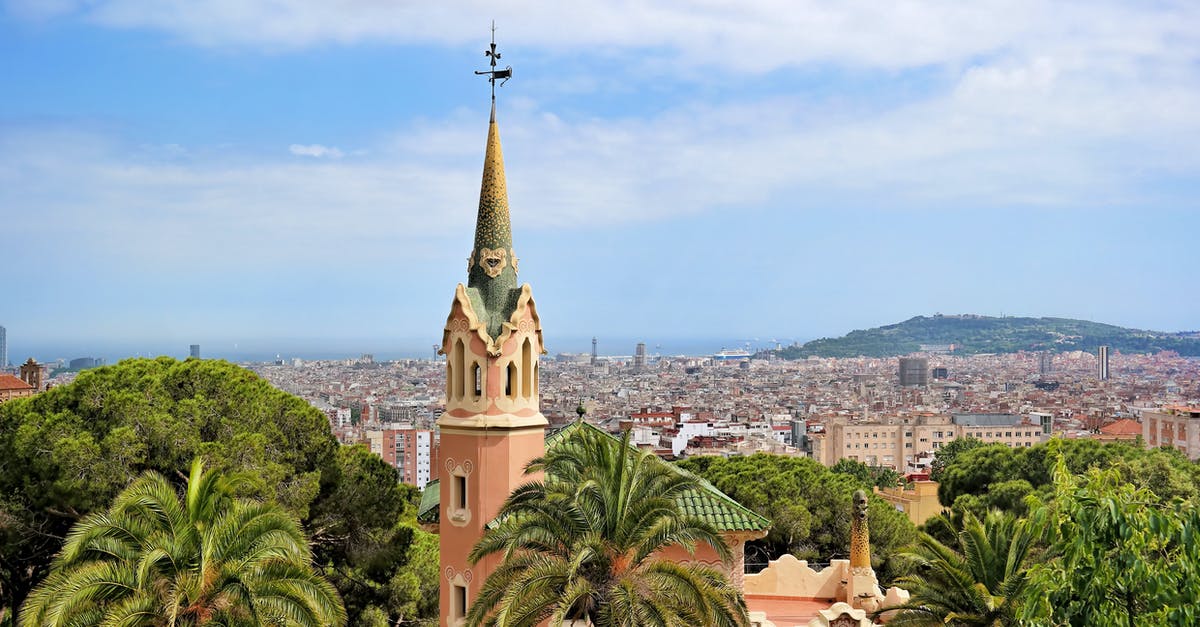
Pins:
<point x="947" y="454"/>
<point x="209" y="559"/>
<point x="808" y="506"/>
<point x="977" y="581"/>
<point x="581" y="544"/>
<point x="868" y="476"/>
<point x="1117" y="556"/>
<point x="69" y="451"/>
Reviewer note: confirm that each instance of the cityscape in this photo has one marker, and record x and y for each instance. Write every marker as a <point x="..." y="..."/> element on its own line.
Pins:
<point x="695" y="369"/>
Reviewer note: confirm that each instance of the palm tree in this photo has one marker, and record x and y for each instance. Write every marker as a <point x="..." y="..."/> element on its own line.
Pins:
<point x="152" y="560"/>
<point x="582" y="543"/>
<point x="977" y="583"/>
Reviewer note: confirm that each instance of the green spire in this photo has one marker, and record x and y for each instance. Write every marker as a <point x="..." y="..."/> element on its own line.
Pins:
<point x="492" y="268"/>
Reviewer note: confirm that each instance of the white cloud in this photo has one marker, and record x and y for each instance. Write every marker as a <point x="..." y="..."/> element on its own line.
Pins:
<point x="671" y="36"/>
<point x="315" y="150"/>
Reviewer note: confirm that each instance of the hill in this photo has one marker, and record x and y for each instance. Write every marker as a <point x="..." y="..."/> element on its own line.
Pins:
<point x="972" y="334"/>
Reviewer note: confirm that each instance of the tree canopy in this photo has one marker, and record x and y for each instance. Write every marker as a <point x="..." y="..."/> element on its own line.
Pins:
<point x="69" y="451"/>
<point x="205" y="559"/>
<point x="808" y="506"/>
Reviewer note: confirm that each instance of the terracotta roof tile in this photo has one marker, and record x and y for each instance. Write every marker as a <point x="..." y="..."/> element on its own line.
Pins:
<point x="9" y="382"/>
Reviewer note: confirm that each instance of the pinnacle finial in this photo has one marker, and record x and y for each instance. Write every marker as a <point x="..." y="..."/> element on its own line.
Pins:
<point x="493" y="56"/>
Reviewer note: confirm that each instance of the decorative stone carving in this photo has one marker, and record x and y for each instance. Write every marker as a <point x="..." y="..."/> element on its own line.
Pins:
<point x="860" y="536"/>
<point x="512" y="253"/>
<point x="493" y="262"/>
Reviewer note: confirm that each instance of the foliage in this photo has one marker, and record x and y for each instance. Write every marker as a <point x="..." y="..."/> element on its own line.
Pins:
<point x="976" y="581"/>
<point x="581" y="544"/>
<point x="947" y="454"/>
<point x="69" y="451"/>
<point x="877" y="476"/>
<point x="1117" y="556"/>
<point x="808" y="505"/>
<point x="972" y="334"/>
<point x="208" y="559"/>
<point x="997" y="476"/>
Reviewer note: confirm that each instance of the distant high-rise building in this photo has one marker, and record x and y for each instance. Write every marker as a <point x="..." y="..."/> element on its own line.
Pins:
<point x="914" y="371"/>
<point x="1045" y="362"/>
<point x="595" y="358"/>
<point x="639" y="356"/>
<point x="3" y="348"/>
<point x="1102" y="364"/>
<point x="941" y="372"/>
<point x="194" y="350"/>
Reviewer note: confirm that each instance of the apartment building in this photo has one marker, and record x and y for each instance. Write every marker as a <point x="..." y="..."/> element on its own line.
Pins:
<point x="413" y="452"/>
<point x="1173" y="425"/>
<point x="897" y="441"/>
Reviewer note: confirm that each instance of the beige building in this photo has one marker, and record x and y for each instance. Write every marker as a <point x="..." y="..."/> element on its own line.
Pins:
<point x="919" y="501"/>
<point x="897" y="441"/>
<point x="1174" y="425"/>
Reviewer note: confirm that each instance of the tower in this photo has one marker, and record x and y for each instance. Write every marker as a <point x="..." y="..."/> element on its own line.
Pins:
<point x="595" y="358"/>
<point x="194" y="351"/>
<point x="3" y="348"/>
<point x="492" y="424"/>
<point x="914" y="371"/>
<point x="1102" y="363"/>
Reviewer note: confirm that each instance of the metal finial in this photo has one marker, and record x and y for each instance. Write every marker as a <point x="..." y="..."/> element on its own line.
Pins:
<point x="493" y="74"/>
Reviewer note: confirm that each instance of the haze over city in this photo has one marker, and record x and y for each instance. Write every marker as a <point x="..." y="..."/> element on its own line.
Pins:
<point x="228" y="173"/>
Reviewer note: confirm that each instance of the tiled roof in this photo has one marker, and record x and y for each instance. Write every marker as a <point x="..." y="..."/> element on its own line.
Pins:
<point x="1124" y="426"/>
<point x="704" y="501"/>
<point x="9" y="382"/>
<point x="427" y="511"/>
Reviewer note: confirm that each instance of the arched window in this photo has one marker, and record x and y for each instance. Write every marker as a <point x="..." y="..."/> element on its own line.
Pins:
<point x="478" y="376"/>
<point x="510" y="384"/>
<point x="527" y="369"/>
<point x="460" y="369"/>
<point x="535" y="379"/>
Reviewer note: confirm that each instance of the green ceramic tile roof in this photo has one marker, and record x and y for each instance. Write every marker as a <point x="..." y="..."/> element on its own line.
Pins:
<point x="431" y="498"/>
<point x="704" y="501"/>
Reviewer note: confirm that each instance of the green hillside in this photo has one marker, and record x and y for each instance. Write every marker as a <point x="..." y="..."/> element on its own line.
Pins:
<point x="973" y="334"/>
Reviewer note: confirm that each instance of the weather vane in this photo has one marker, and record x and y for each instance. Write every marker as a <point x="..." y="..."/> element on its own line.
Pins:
<point x="493" y="73"/>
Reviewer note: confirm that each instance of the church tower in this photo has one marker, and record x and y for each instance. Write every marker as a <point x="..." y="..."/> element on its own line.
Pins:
<point x="492" y="425"/>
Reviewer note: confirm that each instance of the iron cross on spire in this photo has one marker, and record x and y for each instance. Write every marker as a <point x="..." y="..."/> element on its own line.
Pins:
<point x="493" y="73"/>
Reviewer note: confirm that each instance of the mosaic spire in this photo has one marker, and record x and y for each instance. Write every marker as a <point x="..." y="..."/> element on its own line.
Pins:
<point x="492" y="268"/>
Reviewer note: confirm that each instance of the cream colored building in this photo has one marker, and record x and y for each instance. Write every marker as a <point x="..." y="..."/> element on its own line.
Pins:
<point x="1174" y="425"/>
<point x="896" y="441"/>
<point x="919" y="501"/>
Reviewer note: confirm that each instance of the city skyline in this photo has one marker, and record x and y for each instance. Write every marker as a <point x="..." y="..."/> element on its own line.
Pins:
<point x="187" y="174"/>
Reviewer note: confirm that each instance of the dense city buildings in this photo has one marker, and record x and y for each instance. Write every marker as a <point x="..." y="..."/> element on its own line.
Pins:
<point x="698" y="405"/>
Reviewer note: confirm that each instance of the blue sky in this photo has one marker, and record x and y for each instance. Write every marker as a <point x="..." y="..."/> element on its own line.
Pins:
<point x="238" y="170"/>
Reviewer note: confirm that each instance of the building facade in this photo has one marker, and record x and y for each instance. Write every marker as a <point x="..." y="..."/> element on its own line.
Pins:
<point x="914" y="371"/>
<point x="1177" y="426"/>
<point x="897" y="442"/>
<point x="1102" y="363"/>
<point x="412" y="452"/>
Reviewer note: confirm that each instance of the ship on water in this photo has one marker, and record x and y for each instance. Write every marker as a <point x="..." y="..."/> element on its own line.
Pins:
<point x="731" y="354"/>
